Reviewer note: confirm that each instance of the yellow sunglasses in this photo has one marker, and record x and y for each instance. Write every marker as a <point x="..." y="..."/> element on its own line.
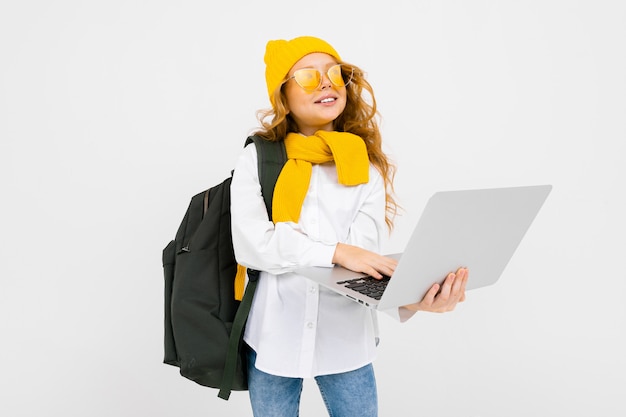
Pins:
<point x="310" y="79"/>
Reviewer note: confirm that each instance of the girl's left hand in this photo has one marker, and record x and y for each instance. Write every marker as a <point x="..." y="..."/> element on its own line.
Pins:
<point x="445" y="297"/>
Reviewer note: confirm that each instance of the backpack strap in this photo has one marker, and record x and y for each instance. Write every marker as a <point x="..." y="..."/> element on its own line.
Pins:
<point x="236" y="336"/>
<point x="271" y="157"/>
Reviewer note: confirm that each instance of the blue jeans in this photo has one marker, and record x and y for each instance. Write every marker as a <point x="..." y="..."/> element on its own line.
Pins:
<point x="347" y="394"/>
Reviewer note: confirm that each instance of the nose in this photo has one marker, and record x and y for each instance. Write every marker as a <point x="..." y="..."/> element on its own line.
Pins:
<point x="325" y="82"/>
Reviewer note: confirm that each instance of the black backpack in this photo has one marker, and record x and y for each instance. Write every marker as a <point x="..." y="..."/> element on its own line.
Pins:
<point x="203" y="321"/>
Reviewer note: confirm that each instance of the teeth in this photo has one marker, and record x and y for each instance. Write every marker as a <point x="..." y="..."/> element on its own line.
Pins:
<point x="327" y="100"/>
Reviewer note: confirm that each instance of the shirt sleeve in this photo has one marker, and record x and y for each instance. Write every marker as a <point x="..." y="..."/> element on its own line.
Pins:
<point x="257" y="242"/>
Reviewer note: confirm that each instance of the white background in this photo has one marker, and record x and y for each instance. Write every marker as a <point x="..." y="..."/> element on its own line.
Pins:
<point x="114" y="113"/>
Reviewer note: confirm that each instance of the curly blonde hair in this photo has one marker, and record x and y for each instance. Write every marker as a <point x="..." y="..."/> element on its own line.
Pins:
<point x="359" y="118"/>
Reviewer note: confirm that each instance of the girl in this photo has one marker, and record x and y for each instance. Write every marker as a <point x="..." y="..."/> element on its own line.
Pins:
<point x="332" y="204"/>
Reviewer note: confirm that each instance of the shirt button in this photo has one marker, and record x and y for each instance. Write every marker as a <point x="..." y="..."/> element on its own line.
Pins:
<point x="310" y="325"/>
<point x="312" y="290"/>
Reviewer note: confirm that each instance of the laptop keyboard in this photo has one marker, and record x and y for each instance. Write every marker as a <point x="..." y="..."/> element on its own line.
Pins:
<point x="369" y="286"/>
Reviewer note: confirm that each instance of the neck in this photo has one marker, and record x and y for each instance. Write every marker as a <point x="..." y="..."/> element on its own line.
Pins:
<point x="310" y="130"/>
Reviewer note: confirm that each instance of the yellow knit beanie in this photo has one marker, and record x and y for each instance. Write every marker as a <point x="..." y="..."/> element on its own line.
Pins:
<point x="281" y="55"/>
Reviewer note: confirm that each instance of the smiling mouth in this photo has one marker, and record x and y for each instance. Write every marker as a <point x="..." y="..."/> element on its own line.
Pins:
<point x="327" y="100"/>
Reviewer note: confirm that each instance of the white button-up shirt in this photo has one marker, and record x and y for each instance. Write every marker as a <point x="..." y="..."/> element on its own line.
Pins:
<point x="298" y="328"/>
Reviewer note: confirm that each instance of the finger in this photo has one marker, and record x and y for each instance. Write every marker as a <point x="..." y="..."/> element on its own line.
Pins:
<point x="373" y="272"/>
<point x="429" y="298"/>
<point x="459" y="283"/>
<point x="462" y="274"/>
<point x="384" y="266"/>
<point x="447" y="286"/>
<point x="453" y="293"/>
<point x="465" y="279"/>
<point x="385" y="270"/>
<point x="458" y="290"/>
<point x="388" y="263"/>
<point x="464" y="282"/>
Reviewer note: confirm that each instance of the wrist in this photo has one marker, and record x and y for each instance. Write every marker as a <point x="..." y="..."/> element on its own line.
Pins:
<point x="337" y="254"/>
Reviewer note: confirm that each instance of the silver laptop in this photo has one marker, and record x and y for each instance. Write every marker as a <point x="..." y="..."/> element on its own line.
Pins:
<point x="478" y="229"/>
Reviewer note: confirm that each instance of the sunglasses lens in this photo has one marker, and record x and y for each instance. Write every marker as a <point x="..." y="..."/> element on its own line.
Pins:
<point x="307" y="78"/>
<point x="335" y="76"/>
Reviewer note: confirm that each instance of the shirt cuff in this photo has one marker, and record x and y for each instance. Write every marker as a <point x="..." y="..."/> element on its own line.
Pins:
<point x="322" y="254"/>
<point x="400" y="314"/>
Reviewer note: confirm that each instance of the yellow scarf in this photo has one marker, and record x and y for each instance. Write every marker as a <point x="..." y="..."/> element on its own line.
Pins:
<point x="351" y="160"/>
<point x="347" y="150"/>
